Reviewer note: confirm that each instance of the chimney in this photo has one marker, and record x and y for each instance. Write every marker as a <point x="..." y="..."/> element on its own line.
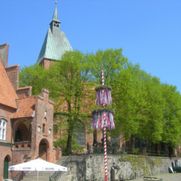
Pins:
<point x="24" y="92"/>
<point x="4" y="54"/>
<point x="13" y="74"/>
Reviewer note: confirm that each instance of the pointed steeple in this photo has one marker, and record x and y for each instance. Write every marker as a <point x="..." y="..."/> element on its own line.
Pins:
<point x="55" y="14"/>
<point x="56" y="42"/>
<point x="55" y="21"/>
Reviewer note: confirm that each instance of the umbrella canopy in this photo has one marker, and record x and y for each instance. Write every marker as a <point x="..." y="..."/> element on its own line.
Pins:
<point x="37" y="165"/>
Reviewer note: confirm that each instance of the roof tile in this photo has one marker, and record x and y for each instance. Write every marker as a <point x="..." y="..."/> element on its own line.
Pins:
<point x="25" y="107"/>
<point x="7" y="93"/>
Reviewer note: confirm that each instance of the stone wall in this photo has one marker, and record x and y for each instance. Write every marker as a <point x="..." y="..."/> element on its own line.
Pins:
<point x="122" y="167"/>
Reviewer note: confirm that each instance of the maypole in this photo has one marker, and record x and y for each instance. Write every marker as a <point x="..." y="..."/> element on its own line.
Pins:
<point x="103" y="118"/>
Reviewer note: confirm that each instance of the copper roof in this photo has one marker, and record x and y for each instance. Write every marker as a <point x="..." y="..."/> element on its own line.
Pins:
<point x="55" y="43"/>
<point x="26" y="107"/>
<point x="7" y="93"/>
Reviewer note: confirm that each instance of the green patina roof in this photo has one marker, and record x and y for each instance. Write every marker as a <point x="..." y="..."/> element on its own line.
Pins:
<point x="55" y="43"/>
<point x="55" y="14"/>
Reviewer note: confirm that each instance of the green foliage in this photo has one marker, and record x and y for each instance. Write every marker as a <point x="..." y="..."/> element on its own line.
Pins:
<point x="76" y="148"/>
<point x="142" y="105"/>
<point x="67" y="82"/>
<point x="65" y="76"/>
<point x="138" y="163"/>
<point x="35" y="76"/>
<point x="146" y="108"/>
<point x="172" y="115"/>
<point x="127" y="100"/>
<point x="141" y="163"/>
<point x="112" y="61"/>
<point x="62" y="143"/>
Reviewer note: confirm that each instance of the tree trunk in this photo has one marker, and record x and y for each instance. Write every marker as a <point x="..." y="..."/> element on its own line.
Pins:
<point x="69" y="139"/>
<point x="132" y="144"/>
<point x="70" y="130"/>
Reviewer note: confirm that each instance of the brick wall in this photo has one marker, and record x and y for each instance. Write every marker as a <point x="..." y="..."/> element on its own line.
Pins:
<point x="41" y="124"/>
<point x="6" y="113"/>
<point x="5" y="145"/>
<point x="13" y="74"/>
<point x="21" y="155"/>
<point x="46" y="63"/>
<point x="42" y="128"/>
<point x="5" y="151"/>
<point x="24" y="92"/>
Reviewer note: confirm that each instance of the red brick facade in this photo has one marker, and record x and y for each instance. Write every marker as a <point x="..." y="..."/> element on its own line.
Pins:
<point x="26" y="122"/>
<point x="46" y="63"/>
<point x="13" y="75"/>
<point x="5" y="145"/>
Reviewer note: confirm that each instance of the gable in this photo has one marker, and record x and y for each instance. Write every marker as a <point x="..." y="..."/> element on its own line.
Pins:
<point x="26" y="107"/>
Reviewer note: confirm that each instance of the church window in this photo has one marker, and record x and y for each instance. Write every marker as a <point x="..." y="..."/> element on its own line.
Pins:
<point x="3" y="129"/>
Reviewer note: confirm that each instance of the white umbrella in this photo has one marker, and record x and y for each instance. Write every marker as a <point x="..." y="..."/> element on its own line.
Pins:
<point x="37" y="165"/>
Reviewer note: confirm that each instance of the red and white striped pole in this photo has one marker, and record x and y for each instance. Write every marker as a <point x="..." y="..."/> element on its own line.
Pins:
<point x="103" y="119"/>
<point x="105" y="155"/>
<point x="104" y="137"/>
<point x="102" y="77"/>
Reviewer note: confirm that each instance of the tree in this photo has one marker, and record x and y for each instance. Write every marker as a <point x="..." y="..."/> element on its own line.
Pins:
<point x="143" y="106"/>
<point x="67" y="84"/>
<point x="152" y="128"/>
<point x="36" y="76"/>
<point x="128" y="100"/>
<point x="138" y="105"/>
<point x="111" y="61"/>
<point x="172" y="115"/>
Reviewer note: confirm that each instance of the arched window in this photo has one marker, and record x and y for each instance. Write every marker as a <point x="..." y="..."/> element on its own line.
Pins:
<point x="3" y="124"/>
<point x="22" y="133"/>
<point x="6" y="165"/>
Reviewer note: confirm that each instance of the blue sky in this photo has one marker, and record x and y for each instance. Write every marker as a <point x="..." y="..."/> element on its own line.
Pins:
<point x="148" y="31"/>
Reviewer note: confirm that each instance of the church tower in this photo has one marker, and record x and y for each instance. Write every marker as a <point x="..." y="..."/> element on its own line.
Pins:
<point x="55" y="43"/>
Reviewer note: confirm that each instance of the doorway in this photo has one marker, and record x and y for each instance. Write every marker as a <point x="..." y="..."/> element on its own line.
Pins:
<point x="43" y="149"/>
<point x="6" y="165"/>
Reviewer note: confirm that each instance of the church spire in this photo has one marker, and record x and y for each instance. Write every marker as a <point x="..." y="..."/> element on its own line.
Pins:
<point x="55" y="14"/>
<point x="55" y="21"/>
<point x="55" y="43"/>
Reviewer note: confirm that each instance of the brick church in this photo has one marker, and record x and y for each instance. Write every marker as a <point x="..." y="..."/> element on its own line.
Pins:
<point x="26" y="121"/>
